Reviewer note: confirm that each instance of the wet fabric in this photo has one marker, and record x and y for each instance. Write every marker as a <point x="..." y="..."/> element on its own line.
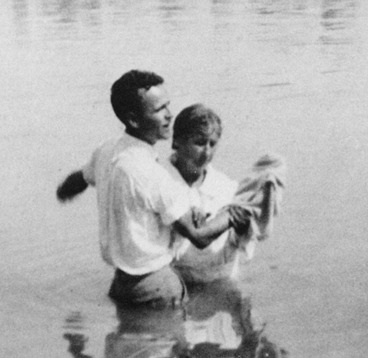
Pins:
<point x="161" y="288"/>
<point x="260" y="193"/>
<point x="137" y="203"/>
<point x="212" y="262"/>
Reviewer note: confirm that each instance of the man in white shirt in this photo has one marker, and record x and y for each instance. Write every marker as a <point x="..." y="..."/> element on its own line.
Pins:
<point x="138" y="201"/>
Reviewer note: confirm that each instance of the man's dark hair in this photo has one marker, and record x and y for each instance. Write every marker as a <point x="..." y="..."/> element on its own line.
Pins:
<point x="194" y="120"/>
<point x="124" y="96"/>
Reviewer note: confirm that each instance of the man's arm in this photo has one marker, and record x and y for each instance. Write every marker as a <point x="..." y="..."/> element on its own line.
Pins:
<point x="72" y="185"/>
<point x="235" y="217"/>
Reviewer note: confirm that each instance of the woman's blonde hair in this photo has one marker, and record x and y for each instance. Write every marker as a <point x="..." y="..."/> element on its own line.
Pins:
<point x="193" y="120"/>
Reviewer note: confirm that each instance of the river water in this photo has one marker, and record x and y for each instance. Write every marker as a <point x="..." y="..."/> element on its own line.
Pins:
<point x="286" y="76"/>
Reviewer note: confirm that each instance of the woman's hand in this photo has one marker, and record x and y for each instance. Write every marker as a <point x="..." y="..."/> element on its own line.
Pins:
<point x="239" y="218"/>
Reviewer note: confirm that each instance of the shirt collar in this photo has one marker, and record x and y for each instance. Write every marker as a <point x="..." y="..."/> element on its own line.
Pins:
<point x="130" y="141"/>
<point x="207" y="186"/>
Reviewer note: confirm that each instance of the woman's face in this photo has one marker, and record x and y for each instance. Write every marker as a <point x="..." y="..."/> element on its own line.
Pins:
<point x="197" y="151"/>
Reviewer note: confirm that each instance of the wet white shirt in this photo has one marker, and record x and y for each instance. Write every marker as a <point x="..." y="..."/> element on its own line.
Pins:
<point x="220" y="259"/>
<point x="137" y="202"/>
<point x="217" y="260"/>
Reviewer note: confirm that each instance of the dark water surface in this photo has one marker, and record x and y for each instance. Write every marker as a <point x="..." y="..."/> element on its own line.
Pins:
<point x="287" y="76"/>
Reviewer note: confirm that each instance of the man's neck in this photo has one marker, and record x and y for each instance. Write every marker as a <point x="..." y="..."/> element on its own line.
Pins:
<point x="132" y="132"/>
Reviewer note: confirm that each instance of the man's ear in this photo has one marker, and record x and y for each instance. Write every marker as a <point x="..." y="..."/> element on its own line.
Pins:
<point x="132" y="120"/>
<point x="175" y="144"/>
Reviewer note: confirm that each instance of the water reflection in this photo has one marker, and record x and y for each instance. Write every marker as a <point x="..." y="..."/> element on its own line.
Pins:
<point x="271" y="15"/>
<point x="172" y="14"/>
<point x="222" y="323"/>
<point x="76" y="344"/>
<point x="217" y="322"/>
<point x="73" y="323"/>
<point x="170" y="8"/>
<point x="21" y="13"/>
<point x="337" y="15"/>
<point x="20" y="8"/>
<point x="146" y="333"/>
<point x="59" y="11"/>
<point x="62" y="10"/>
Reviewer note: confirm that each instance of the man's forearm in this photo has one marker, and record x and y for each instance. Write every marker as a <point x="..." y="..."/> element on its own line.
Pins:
<point x="206" y="234"/>
<point x="232" y="216"/>
<point x="211" y="229"/>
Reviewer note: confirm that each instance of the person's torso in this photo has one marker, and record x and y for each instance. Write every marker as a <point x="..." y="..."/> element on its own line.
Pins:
<point x="213" y="194"/>
<point x="133" y="236"/>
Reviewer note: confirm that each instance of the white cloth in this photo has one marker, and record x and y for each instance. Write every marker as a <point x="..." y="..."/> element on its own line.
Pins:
<point x="137" y="202"/>
<point x="260" y="193"/>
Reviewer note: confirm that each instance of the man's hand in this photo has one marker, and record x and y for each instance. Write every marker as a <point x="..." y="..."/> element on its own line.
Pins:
<point x="72" y="185"/>
<point x="198" y="216"/>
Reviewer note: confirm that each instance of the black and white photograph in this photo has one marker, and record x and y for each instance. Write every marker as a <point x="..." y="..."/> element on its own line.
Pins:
<point x="184" y="179"/>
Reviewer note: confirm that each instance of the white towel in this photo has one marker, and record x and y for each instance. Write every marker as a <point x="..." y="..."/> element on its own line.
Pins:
<point x="260" y="193"/>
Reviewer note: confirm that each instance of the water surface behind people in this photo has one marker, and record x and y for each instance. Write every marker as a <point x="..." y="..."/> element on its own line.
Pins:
<point x="286" y="76"/>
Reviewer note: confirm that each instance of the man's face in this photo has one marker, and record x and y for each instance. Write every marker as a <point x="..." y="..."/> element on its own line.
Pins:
<point x="156" y="117"/>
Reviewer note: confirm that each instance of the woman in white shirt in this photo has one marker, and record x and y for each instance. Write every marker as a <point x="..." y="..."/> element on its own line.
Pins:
<point x="196" y="133"/>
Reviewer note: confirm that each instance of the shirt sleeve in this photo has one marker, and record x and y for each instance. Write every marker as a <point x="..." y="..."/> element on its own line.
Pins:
<point x="88" y="170"/>
<point x="170" y="199"/>
<point x="148" y="185"/>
